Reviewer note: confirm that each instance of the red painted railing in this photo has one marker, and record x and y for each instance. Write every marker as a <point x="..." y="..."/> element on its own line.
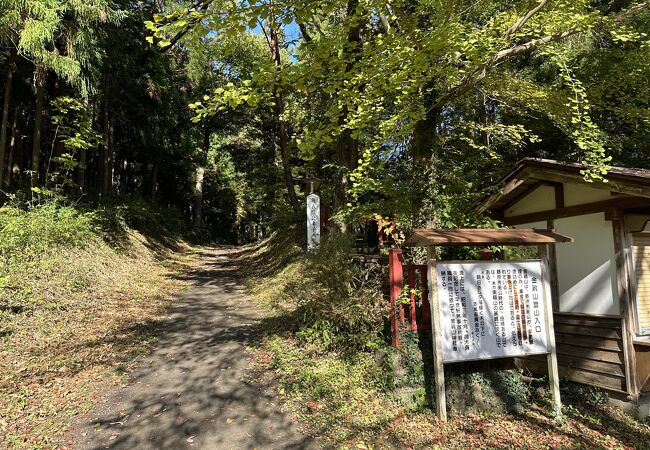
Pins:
<point x="418" y="316"/>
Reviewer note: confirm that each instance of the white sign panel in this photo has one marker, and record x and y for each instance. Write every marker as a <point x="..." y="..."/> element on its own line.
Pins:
<point x="491" y="309"/>
<point x="313" y="222"/>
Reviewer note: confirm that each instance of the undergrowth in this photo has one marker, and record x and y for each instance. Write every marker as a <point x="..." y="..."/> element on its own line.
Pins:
<point x="80" y="291"/>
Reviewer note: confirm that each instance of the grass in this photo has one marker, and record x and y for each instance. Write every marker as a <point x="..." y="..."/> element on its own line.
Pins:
<point x="345" y="394"/>
<point x="80" y="296"/>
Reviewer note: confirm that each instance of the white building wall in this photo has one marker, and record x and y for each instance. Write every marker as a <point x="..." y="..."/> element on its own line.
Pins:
<point x="587" y="267"/>
<point x="541" y="199"/>
<point x="578" y="194"/>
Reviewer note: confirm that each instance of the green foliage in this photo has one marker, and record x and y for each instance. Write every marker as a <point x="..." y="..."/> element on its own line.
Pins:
<point x="404" y="93"/>
<point x="72" y="122"/>
<point x="60" y="34"/>
<point x="39" y="241"/>
<point x="337" y="378"/>
<point x="341" y="305"/>
<point x="487" y="390"/>
<point x="470" y="387"/>
<point x="31" y="238"/>
<point x="32" y="232"/>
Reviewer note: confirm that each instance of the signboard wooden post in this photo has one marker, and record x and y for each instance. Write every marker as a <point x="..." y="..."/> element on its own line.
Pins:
<point x="490" y="309"/>
<point x="438" y="366"/>
<point x="551" y="357"/>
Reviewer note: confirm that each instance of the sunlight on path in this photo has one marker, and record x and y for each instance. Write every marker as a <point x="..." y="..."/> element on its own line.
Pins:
<point x="194" y="391"/>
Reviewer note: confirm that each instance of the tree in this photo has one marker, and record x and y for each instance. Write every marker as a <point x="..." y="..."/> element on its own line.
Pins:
<point x="60" y="36"/>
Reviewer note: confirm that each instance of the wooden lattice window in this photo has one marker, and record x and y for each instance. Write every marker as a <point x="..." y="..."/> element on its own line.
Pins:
<point x="641" y="257"/>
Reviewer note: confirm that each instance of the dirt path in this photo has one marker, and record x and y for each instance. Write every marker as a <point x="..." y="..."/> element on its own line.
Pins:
<point x="194" y="391"/>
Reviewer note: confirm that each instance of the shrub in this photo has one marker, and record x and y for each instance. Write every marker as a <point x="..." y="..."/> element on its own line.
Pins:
<point x="341" y="303"/>
<point x="28" y="233"/>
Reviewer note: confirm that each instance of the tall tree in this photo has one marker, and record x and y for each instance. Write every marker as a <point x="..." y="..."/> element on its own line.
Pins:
<point x="11" y="66"/>
<point x="61" y="36"/>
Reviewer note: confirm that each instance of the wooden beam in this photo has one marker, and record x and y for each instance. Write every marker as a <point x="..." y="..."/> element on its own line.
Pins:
<point x="551" y="253"/>
<point x="510" y="186"/>
<point x="423" y="237"/>
<point x="625" y="301"/>
<point x="436" y="335"/>
<point x="643" y="365"/>
<point x="578" y="210"/>
<point x="614" y="183"/>
<point x="559" y="195"/>
<point x="614" y="214"/>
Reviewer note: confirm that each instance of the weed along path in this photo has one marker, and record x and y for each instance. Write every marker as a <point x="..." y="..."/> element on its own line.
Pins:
<point x="195" y="390"/>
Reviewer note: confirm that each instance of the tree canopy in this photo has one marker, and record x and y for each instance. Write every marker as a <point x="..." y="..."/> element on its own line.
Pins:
<point x="405" y="109"/>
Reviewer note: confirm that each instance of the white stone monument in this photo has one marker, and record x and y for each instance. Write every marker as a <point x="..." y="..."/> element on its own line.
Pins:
<point x="313" y="222"/>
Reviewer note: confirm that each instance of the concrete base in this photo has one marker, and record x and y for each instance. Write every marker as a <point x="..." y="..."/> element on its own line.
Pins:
<point x="639" y="409"/>
<point x="644" y="406"/>
<point x="622" y="401"/>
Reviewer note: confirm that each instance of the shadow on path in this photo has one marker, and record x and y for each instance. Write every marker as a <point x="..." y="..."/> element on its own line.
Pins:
<point x="194" y="390"/>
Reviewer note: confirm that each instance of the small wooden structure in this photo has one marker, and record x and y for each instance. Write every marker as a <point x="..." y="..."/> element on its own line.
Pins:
<point x="602" y="280"/>
<point x="429" y="238"/>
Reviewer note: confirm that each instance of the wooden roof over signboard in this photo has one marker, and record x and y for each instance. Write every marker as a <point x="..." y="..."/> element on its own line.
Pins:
<point x="424" y="237"/>
<point x="533" y="172"/>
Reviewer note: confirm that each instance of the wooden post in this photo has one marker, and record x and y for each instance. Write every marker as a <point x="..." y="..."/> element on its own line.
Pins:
<point x="551" y="357"/>
<point x="436" y="335"/>
<point x="413" y="316"/>
<point x="625" y="302"/>
<point x="396" y="279"/>
<point x="551" y="253"/>
<point x="426" y="305"/>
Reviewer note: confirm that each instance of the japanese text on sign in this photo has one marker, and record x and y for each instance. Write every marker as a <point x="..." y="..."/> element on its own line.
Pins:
<point x="491" y="309"/>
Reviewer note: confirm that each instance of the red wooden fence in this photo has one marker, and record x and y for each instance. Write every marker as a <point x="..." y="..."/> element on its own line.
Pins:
<point x="417" y="315"/>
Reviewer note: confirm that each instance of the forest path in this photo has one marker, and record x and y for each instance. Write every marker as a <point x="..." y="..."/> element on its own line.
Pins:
<point x="195" y="389"/>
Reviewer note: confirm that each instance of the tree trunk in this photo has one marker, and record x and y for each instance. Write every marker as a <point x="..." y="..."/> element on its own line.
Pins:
<point x="347" y="147"/>
<point x="107" y="151"/>
<point x="424" y="131"/>
<point x="154" y="181"/>
<point x="81" y="170"/>
<point x="422" y="149"/>
<point x="12" y="149"/>
<point x="5" y="111"/>
<point x="281" y="124"/>
<point x="483" y="118"/>
<point x="198" y="197"/>
<point x="83" y="154"/>
<point x="39" y="80"/>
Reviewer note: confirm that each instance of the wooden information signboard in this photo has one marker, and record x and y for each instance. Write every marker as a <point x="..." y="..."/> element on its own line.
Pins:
<point x="490" y="309"/>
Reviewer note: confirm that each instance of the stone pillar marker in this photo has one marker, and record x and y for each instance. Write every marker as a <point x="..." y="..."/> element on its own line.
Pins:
<point x="313" y="222"/>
